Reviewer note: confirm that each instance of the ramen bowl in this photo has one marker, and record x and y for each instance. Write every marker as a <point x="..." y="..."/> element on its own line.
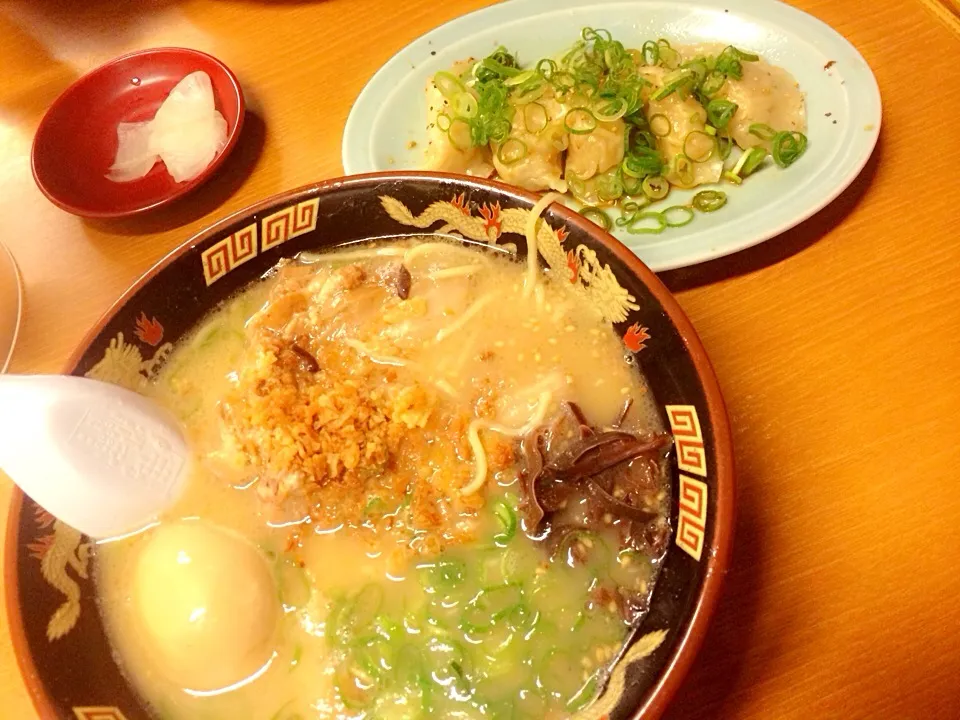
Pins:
<point x="56" y="622"/>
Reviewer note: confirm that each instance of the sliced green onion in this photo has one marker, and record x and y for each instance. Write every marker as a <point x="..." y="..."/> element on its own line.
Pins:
<point x="580" y="121"/>
<point x="750" y="161"/>
<point x="442" y="575"/>
<point x="660" y="125"/>
<point x="358" y="680"/>
<point x="410" y="671"/>
<point x="669" y="57"/>
<point x="585" y="547"/>
<point x="460" y="134"/>
<point x="709" y="200"/>
<point x="683" y="77"/>
<point x="500" y="64"/>
<point x="448" y="84"/>
<point x="710" y="130"/>
<point x="546" y="67"/>
<point x="497" y="130"/>
<point x="651" y="53"/>
<point x="522" y="618"/>
<point x="375" y="654"/>
<point x="367" y="604"/>
<point x="677" y="215"/>
<point x="444" y="660"/>
<point x="575" y="55"/>
<point x="683" y="167"/>
<point x="588" y="86"/>
<point x="507" y="518"/>
<point x="788" y="147"/>
<point x="512" y="151"/>
<point x="520" y="78"/>
<point x="386" y="627"/>
<point x="712" y="83"/>
<point x="611" y="57"/>
<point x="634" y="228"/>
<point x="352" y="615"/>
<point x="490" y="606"/>
<point x="588" y="34"/>
<point x="609" y="187"/>
<point x="728" y="64"/>
<point x="293" y="585"/>
<point x="563" y="81"/>
<point x="443" y="122"/>
<point x="699" y="146"/>
<point x="644" y="139"/>
<point x="515" y="564"/>
<point x="719" y="113"/>
<point x="724" y="146"/>
<point x="338" y="626"/>
<point x="465" y="105"/>
<point x="633" y="206"/>
<point x="608" y="111"/>
<point x="578" y="188"/>
<point x="630" y="209"/>
<point x="655" y="187"/>
<point x="631" y="185"/>
<point x="762" y="131"/>
<point x="699" y="68"/>
<point x="529" y="93"/>
<point x="535" y="117"/>
<point x="728" y="61"/>
<point x="597" y="215"/>
<point x="373" y="507"/>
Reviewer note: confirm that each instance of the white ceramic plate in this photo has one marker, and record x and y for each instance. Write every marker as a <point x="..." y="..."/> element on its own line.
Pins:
<point x="843" y="103"/>
<point x="11" y="305"/>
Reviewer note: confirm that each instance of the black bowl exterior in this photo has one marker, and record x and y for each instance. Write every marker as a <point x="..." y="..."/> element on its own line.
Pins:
<point x="58" y="633"/>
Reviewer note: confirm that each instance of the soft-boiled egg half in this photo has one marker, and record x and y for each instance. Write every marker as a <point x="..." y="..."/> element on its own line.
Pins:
<point x="207" y="600"/>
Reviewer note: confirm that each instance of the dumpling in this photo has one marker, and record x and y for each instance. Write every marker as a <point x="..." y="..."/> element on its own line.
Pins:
<point x="539" y="126"/>
<point x="207" y="603"/>
<point x="596" y="152"/>
<point x="441" y="154"/>
<point x="764" y="94"/>
<point x="683" y="115"/>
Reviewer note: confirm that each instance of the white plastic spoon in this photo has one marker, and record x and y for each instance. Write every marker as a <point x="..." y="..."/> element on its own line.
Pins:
<point x="101" y="458"/>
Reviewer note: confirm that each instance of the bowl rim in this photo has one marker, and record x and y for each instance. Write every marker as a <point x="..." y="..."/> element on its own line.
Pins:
<point x="74" y="87"/>
<point x="718" y="554"/>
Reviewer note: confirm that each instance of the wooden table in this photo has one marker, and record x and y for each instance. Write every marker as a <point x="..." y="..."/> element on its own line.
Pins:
<point x="836" y="344"/>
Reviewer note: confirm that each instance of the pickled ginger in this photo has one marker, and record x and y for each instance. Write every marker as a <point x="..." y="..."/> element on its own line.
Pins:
<point x="185" y="135"/>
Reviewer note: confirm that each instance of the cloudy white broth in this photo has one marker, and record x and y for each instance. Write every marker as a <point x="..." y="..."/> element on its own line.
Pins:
<point x="427" y="483"/>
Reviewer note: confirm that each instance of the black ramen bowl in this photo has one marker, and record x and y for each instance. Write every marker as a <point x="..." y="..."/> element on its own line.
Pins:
<point x="57" y="630"/>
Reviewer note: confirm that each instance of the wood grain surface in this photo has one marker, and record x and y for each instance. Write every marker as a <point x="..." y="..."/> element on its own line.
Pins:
<point x="836" y="344"/>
